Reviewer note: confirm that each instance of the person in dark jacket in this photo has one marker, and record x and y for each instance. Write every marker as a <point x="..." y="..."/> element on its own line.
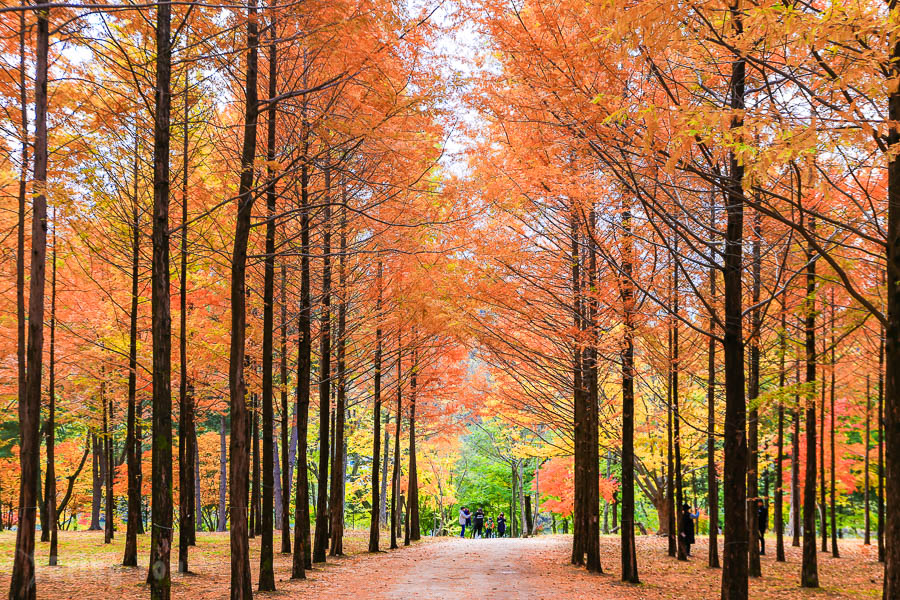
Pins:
<point x="501" y="525"/>
<point x="762" y="519"/>
<point x="686" y="528"/>
<point x="478" y="526"/>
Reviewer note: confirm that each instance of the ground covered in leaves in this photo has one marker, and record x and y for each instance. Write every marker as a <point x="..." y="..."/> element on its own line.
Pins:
<point x="444" y="568"/>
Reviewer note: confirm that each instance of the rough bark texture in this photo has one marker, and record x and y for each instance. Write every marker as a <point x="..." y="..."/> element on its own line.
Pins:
<point x="131" y="443"/>
<point x="161" y="511"/>
<point x="22" y="584"/>
<point x="320" y="543"/>
<point x="629" y="551"/>
<point x="809" y="575"/>
<point x="734" y="555"/>
<point x="375" y="517"/>
<point x="241" y="585"/>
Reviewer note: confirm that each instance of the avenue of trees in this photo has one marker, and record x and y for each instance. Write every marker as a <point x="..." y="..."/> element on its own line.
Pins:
<point x="250" y="287"/>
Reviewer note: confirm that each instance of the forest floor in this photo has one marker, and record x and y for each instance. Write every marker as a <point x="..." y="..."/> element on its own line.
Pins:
<point x="446" y="568"/>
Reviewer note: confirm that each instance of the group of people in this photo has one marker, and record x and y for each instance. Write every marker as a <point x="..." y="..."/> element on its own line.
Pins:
<point x="479" y="525"/>
<point x="688" y="515"/>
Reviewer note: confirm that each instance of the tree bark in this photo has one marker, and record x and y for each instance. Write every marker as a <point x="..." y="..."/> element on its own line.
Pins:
<point x="50" y="488"/>
<point x="412" y="496"/>
<point x="131" y="441"/>
<point x="286" y="458"/>
<point x="629" y="551"/>
<point x="734" y="556"/>
<point x="754" y="566"/>
<point x="161" y="517"/>
<point x="779" y="457"/>
<point x="22" y="584"/>
<point x="266" y="548"/>
<point x="320" y="543"/>
<point x="302" y="546"/>
<point x="375" y="524"/>
<point x="809" y="575"/>
<point x="241" y="586"/>
<point x="337" y="468"/>
<point x="711" y="475"/>
<point x="396" y="470"/>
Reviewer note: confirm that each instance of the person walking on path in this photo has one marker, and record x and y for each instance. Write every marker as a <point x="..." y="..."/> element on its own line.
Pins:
<point x="762" y="518"/>
<point x="464" y="516"/>
<point x="501" y="525"/>
<point x="478" y="527"/>
<point x="686" y="528"/>
<point x="489" y="528"/>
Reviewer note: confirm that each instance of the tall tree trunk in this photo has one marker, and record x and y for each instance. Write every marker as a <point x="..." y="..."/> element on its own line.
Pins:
<point x="795" y="464"/>
<point x="867" y="538"/>
<point x="50" y="488"/>
<point x="384" y="468"/>
<point x="375" y="522"/>
<point x="671" y="524"/>
<point x="302" y="546"/>
<point x="340" y="409"/>
<point x="629" y="551"/>
<point x="892" y="336"/>
<point x="108" y="461"/>
<point x="97" y="458"/>
<point x="131" y="440"/>
<point x="321" y="536"/>
<point x="711" y="475"/>
<point x="592" y="452"/>
<point x="823" y="490"/>
<point x="20" y="229"/>
<point x="834" y="547"/>
<point x="22" y="585"/>
<point x="396" y="470"/>
<point x="779" y="456"/>
<point x="266" y="548"/>
<point x="241" y="586"/>
<point x="223" y="460"/>
<point x="187" y="519"/>
<point x="754" y="567"/>
<point x="734" y="555"/>
<point x="412" y="496"/>
<point x="161" y="519"/>
<point x="881" y="431"/>
<point x="286" y="458"/>
<point x="256" y="483"/>
<point x="578" y="399"/>
<point x="676" y="415"/>
<point x="809" y="574"/>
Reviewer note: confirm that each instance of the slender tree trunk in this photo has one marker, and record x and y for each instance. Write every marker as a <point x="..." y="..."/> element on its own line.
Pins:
<point x="223" y="460"/>
<point x="834" y="547"/>
<point x="412" y="496"/>
<point x="108" y="461"/>
<point x="676" y="416"/>
<point x="823" y="490"/>
<point x="321" y="536"/>
<point x="809" y="575"/>
<point x="754" y="566"/>
<point x="891" y="337"/>
<point x="629" y="551"/>
<point x="256" y="482"/>
<point x="266" y="548"/>
<point x="396" y="470"/>
<point x="96" y="482"/>
<point x="374" y="527"/>
<point x="711" y="475"/>
<point x="186" y="517"/>
<point x="592" y="452"/>
<point x="734" y="556"/>
<point x="20" y="230"/>
<point x="241" y="585"/>
<point x="131" y="440"/>
<point x="22" y="584"/>
<point x="161" y="518"/>
<point x="867" y="537"/>
<point x="286" y="460"/>
<point x="50" y="488"/>
<point x="779" y="457"/>
<point x="302" y="546"/>
<point x="337" y="467"/>
<point x="579" y="400"/>
<point x="671" y="525"/>
<point x="881" y="431"/>
<point x="796" y="499"/>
